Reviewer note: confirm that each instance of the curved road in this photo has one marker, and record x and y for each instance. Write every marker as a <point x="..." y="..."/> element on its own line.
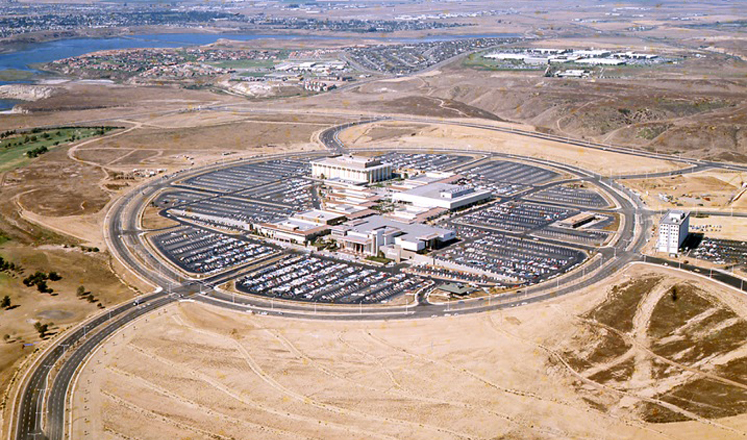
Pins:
<point x="40" y="412"/>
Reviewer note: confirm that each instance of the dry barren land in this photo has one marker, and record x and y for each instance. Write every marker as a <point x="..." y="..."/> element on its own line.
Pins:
<point x="626" y="362"/>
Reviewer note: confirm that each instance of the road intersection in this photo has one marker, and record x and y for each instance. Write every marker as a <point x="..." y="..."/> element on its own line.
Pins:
<point x="41" y="407"/>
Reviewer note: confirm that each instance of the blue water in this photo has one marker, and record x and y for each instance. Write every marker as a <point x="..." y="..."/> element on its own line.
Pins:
<point x="55" y="50"/>
<point x="7" y="104"/>
<point x="35" y="53"/>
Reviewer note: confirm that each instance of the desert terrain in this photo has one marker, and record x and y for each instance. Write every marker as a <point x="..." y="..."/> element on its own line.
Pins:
<point x="626" y="358"/>
<point x="621" y="358"/>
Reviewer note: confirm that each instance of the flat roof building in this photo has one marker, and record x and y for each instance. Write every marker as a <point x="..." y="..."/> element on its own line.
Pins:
<point x="302" y="227"/>
<point x="368" y="235"/>
<point x="356" y="169"/>
<point x="578" y="220"/>
<point x="442" y="195"/>
<point x="673" y="230"/>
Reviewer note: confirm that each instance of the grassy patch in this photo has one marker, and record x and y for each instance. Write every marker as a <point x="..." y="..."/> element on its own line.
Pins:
<point x="16" y="149"/>
<point x="478" y="62"/>
<point x="653" y="131"/>
<point x="4" y="238"/>
<point x="618" y="310"/>
<point x="382" y="260"/>
<point x="243" y="64"/>
<point x="621" y="372"/>
<point x="15" y="75"/>
<point x="669" y="315"/>
<point x="706" y="398"/>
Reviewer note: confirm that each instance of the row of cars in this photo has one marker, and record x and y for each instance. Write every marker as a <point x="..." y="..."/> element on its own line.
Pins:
<point x="201" y="251"/>
<point x="514" y="257"/>
<point x="310" y="278"/>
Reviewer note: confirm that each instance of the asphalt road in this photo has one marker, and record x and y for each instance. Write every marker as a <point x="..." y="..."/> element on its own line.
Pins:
<point x="41" y="408"/>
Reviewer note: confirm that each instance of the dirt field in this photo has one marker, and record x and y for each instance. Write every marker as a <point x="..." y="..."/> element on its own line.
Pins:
<point x="198" y="372"/>
<point x="61" y="308"/>
<point x="712" y="190"/>
<point x="430" y="137"/>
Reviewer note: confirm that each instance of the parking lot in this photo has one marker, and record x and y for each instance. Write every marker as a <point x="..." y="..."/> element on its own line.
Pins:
<point x="238" y="209"/>
<point x="204" y="252"/>
<point x="583" y="236"/>
<point x="497" y="171"/>
<point x="517" y="216"/>
<point x="570" y="196"/>
<point x="314" y="279"/>
<point x="177" y="197"/>
<point x="424" y="162"/>
<point x="249" y="175"/>
<point x="502" y="255"/>
<point x="293" y="192"/>
<point x="721" y="251"/>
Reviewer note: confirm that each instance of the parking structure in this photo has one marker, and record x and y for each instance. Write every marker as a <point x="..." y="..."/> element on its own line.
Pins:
<point x="246" y="176"/>
<point x="570" y="196"/>
<point x="503" y="255"/>
<point x="423" y="161"/>
<point x="315" y="279"/>
<point x="204" y="252"/>
<point x="517" y="216"/>
<point x="721" y="251"/>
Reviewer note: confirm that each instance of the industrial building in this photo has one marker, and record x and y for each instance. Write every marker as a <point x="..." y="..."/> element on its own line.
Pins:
<point x="301" y="228"/>
<point x="442" y="195"/>
<point x="673" y="230"/>
<point x="367" y="236"/>
<point x="349" y="168"/>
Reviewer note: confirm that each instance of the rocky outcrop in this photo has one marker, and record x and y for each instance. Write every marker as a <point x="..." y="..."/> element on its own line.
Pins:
<point x="26" y="92"/>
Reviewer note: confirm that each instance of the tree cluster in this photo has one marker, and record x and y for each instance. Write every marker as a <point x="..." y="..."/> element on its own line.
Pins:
<point x="39" y="279"/>
<point x="8" y="266"/>
<point x="42" y="329"/>
<point x="36" y="152"/>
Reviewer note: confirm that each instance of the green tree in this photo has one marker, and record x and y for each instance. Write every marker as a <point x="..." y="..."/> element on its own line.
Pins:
<point x="41" y="329"/>
<point x="81" y="291"/>
<point x="5" y="302"/>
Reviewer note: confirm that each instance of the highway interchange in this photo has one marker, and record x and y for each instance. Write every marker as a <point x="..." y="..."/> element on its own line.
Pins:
<point x="40" y="409"/>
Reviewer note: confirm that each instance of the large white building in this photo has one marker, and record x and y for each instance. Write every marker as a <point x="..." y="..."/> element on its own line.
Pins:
<point x="367" y="236"/>
<point x="442" y="195"/>
<point x="673" y="229"/>
<point x="350" y="168"/>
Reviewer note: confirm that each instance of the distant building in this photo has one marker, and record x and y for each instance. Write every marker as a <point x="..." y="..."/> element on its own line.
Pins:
<point x="442" y="195"/>
<point x="357" y="169"/>
<point x="673" y="229"/>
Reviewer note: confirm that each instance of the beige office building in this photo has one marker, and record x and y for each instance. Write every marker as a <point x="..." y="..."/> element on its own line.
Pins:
<point x="350" y="168"/>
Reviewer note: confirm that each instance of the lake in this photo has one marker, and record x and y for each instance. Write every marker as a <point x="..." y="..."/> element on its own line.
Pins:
<point x="54" y="50"/>
<point x="36" y="53"/>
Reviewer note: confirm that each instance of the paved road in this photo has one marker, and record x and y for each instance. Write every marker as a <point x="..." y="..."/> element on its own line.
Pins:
<point x="125" y="243"/>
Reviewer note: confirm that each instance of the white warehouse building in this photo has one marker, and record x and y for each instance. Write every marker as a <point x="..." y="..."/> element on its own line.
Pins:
<point x="357" y="169"/>
<point x="442" y="195"/>
<point x="673" y="230"/>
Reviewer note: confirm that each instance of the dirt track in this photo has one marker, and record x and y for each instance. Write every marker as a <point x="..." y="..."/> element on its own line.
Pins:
<point x="245" y="376"/>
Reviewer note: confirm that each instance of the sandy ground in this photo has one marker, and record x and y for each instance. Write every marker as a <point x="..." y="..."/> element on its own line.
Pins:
<point x="193" y="371"/>
<point x="427" y="137"/>
<point x="710" y="190"/>
<point x="730" y="228"/>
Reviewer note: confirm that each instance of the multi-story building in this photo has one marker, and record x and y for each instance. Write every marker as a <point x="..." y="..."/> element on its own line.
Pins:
<point x="673" y="230"/>
<point x="350" y="168"/>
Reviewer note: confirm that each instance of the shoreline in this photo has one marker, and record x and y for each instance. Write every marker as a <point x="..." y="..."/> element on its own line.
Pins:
<point x="11" y="47"/>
